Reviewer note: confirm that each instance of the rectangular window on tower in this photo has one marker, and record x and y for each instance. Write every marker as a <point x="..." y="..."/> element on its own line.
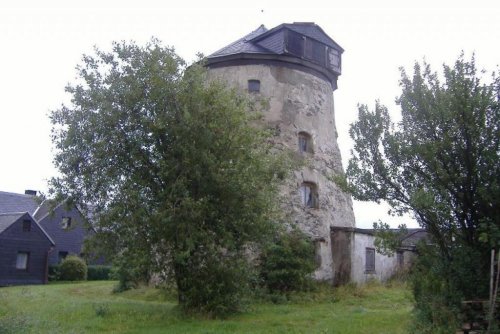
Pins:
<point x="334" y="59"/>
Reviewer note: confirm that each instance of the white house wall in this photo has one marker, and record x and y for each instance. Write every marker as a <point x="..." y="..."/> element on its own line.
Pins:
<point x="385" y="266"/>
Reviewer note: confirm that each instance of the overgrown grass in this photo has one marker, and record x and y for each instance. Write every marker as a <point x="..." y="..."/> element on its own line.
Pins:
<point x="91" y="307"/>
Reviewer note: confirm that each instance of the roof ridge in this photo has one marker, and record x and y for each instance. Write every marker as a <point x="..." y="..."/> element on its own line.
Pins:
<point x="13" y="213"/>
<point x="17" y="194"/>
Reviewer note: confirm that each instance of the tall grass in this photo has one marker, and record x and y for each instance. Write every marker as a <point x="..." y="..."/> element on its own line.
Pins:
<point x="91" y="307"/>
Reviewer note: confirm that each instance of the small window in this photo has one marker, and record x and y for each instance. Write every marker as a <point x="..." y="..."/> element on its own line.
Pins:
<point x="26" y="225"/>
<point x="66" y="223"/>
<point x="334" y="59"/>
<point x="254" y="86"/>
<point x="305" y="142"/>
<point x="309" y="195"/>
<point x="370" y="260"/>
<point x="22" y="260"/>
<point x="62" y="256"/>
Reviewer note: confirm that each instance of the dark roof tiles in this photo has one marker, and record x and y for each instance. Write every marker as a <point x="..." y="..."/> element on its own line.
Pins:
<point x="250" y="42"/>
<point x="11" y="202"/>
<point x="243" y="45"/>
<point x="7" y="219"/>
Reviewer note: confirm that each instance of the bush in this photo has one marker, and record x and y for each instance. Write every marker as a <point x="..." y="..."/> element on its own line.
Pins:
<point x="287" y="264"/>
<point x="54" y="272"/>
<point x="98" y="273"/>
<point x="73" y="268"/>
<point x="130" y="269"/>
<point x="218" y="288"/>
<point x="440" y="284"/>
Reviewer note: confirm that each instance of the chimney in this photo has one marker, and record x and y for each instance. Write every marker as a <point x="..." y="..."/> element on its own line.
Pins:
<point x="30" y="192"/>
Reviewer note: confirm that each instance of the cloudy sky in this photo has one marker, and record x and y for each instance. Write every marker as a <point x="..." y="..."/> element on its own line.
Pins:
<point x="42" y="42"/>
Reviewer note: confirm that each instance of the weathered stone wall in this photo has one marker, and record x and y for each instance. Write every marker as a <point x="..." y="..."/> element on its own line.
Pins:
<point x="302" y="102"/>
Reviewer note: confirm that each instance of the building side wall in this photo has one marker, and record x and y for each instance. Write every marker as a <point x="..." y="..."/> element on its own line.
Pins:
<point x="14" y="240"/>
<point x="341" y="253"/>
<point x="385" y="266"/>
<point x="67" y="240"/>
<point x="297" y="101"/>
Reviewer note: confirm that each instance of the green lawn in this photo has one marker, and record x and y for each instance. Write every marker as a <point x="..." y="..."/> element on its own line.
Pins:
<point x="91" y="307"/>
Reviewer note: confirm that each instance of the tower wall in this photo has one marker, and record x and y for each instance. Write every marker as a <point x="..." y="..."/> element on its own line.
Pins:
<point x="302" y="102"/>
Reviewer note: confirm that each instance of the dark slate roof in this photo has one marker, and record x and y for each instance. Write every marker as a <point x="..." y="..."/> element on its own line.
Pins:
<point x="308" y="29"/>
<point x="11" y="202"/>
<point x="243" y="45"/>
<point x="414" y="236"/>
<point x="250" y="42"/>
<point x="7" y="219"/>
<point x="42" y="210"/>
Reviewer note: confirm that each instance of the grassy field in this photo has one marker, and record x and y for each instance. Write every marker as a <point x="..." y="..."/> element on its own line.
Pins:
<point x="91" y="307"/>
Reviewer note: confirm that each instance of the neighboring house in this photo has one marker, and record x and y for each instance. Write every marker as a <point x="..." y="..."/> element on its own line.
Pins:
<point x="24" y="250"/>
<point x="358" y="261"/>
<point x="65" y="225"/>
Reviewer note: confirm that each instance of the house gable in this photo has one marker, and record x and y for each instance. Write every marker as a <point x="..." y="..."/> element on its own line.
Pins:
<point x="24" y="248"/>
<point x="66" y="225"/>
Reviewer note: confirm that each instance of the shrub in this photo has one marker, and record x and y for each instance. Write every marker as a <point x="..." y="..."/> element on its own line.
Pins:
<point x="440" y="284"/>
<point x="218" y="288"/>
<point x="54" y="272"/>
<point x="129" y="270"/>
<point x="98" y="272"/>
<point x="73" y="268"/>
<point x="287" y="264"/>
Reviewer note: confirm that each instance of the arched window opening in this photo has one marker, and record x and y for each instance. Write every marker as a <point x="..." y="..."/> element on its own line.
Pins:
<point x="305" y="142"/>
<point x="309" y="195"/>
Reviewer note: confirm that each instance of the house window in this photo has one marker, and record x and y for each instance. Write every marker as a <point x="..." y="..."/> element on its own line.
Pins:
<point x="253" y="86"/>
<point x="62" y="256"/>
<point x="309" y="195"/>
<point x="66" y="223"/>
<point x="26" y="225"/>
<point x="370" y="260"/>
<point x="22" y="260"/>
<point x="305" y="142"/>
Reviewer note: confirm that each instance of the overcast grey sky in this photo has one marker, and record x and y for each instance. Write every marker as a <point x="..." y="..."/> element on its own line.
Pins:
<point x="42" y="42"/>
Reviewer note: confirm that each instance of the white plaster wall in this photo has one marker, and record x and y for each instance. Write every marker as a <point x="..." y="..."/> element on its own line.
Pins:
<point x="299" y="101"/>
<point x="385" y="266"/>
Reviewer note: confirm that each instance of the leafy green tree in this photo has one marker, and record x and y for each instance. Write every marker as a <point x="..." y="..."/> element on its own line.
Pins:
<point x="440" y="162"/>
<point x="179" y="175"/>
<point x="287" y="262"/>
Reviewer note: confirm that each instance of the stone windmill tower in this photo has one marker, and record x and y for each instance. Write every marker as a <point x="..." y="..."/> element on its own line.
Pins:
<point x="296" y="67"/>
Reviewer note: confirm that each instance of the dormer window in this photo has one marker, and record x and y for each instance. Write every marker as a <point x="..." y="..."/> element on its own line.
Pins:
<point x="66" y="223"/>
<point x="254" y="86"/>
<point x="309" y="195"/>
<point x="305" y="142"/>
<point x="313" y="50"/>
